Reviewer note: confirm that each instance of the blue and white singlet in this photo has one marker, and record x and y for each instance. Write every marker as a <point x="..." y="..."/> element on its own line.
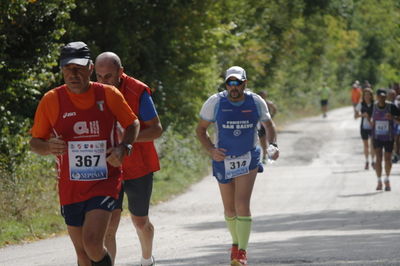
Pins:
<point x="236" y="132"/>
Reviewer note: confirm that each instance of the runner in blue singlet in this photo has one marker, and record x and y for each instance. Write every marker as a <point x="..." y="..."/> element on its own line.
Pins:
<point x="235" y="113"/>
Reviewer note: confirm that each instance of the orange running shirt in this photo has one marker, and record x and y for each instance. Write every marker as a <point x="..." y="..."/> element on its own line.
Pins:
<point x="356" y="95"/>
<point x="48" y="109"/>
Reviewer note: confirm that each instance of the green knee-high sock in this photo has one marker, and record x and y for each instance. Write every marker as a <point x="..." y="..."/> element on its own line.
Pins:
<point x="243" y="229"/>
<point x="231" y="223"/>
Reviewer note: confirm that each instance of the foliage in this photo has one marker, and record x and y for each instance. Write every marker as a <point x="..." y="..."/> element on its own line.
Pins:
<point x="378" y="24"/>
<point x="30" y="33"/>
<point x="30" y="206"/>
<point x="163" y="43"/>
<point x="191" y="163"/>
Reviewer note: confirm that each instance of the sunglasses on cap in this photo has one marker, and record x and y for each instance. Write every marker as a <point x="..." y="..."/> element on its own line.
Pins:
<point x="234" y="82"/>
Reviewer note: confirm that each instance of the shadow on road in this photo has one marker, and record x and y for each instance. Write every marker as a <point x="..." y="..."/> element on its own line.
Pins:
<point x="325" y="220"/>
<point x="360" y="195"/>
<point x="348" y="171"/>
<point x="323" y="238"/>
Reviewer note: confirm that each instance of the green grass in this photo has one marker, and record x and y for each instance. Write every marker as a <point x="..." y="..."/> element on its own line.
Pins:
<point x="30" y="207"/>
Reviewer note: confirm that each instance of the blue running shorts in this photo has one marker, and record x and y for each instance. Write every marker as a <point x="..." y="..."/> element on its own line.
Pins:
<point x="74" y="214"/>
<point x="234" y="166"/>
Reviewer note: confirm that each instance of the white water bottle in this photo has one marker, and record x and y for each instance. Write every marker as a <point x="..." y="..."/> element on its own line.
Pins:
<point x="271" y="151"/>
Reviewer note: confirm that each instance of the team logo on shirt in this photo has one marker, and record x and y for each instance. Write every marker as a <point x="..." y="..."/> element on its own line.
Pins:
<point x="68" y="114"/>
<point x="100" y="105"/>
<point x="87" y="127"/>
<point x="237" y="132"/>
<point x="247" y="111"/>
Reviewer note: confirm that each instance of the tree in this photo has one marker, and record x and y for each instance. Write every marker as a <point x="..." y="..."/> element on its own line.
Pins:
<point x="30" y="33"/>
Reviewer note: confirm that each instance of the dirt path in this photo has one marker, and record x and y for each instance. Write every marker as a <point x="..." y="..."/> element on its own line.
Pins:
<point x="315" y="206"/>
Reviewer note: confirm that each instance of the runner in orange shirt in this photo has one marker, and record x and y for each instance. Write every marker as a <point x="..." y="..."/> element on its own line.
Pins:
<point x="356" y="94"/>
<point x="76" y="122"/>
<point x="137" y="169"/>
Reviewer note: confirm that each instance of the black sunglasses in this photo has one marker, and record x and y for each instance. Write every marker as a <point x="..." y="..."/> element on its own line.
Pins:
<point x="234" y="82"/>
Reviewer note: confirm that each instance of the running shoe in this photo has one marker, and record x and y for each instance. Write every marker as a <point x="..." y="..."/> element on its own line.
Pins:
<point x="387" y="186"/>
<point x="366" y="166"/>
<point x="379" y="186"/>
<point x="373" y="165"/>
<point x="395" y="158"/>
<point x="241" y="259"/>
<point x="153" y="263"/>
<point x="234" y="251"/>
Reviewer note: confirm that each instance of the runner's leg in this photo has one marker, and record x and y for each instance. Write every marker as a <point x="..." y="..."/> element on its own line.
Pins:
<point x="75" y="233"/>
<point x="372" y="152"/>
<point x="227" y="192"/>
<point x="110" y="238"/>
<point x="138" y="192"/>
<point x="378" y="162"/>
<point x="145" y="232"/>
<point x="93" y="233"/>
<point x="388" y="163"/>
<point x="243" y="190"/>
<point x="366" y="152"/>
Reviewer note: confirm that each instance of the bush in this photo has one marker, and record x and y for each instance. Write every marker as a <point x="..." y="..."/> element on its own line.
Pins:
<point x="29" y="206"/>
<point x="182" y="164"/>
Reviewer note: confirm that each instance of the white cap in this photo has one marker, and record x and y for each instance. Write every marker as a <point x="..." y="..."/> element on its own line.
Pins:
<point x="237" y="72"/>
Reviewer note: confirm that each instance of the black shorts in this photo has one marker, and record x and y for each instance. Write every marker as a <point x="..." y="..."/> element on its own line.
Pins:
<point x="138" y="191"/>
<point x="365" y="133"/>
<point x="74" y="214"/>
<point x="388" y="145"/>
<point x="324" y="102"/>
<point x="261" y="131"/>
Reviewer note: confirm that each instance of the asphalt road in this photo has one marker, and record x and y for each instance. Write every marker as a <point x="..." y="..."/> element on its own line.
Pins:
<point x="315" y="206"/>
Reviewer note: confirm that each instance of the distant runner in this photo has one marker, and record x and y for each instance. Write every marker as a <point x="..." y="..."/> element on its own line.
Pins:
<point x="355" y="95"/>
<point x="364" y="110"/>
<point x="324" y="93"/>
<point x="396" y="149"/>
<point x="236" y="157"/>
<point x="382" y="116"/>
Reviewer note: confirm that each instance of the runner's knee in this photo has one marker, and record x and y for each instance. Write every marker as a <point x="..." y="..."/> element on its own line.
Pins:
<point x="114" y="222"/>
<point x="93" y="245"/>
<point x="142" y="223"/>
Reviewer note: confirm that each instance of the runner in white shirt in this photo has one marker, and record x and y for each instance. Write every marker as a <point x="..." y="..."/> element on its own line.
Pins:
<point x="235" y="113"/>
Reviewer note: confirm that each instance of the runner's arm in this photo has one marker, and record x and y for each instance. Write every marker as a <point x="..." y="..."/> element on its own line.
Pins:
<point x="204" y="138"/>
<point x="272" y="108"/>
<point x="152" y="131"/>
<point x="270" y="129"/>
<point x="55" y="146"/>
<point x="117" y="153"/>
<point x="148" y="114"/>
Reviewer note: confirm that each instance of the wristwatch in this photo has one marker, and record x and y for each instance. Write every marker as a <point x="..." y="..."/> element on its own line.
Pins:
<point x="128" y="148"/>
